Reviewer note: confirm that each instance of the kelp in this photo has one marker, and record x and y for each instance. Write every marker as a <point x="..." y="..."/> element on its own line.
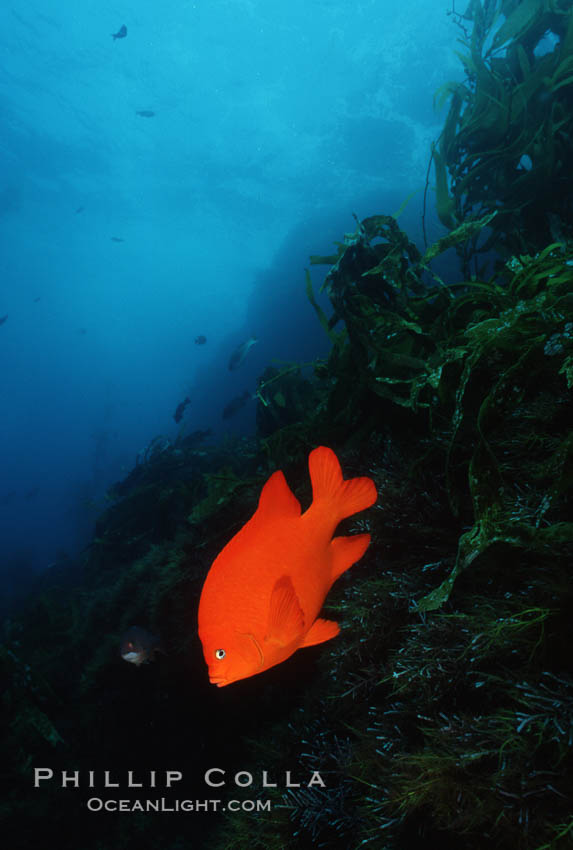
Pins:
<point x="284" y="395"/>
<point x="221" y="486"/>
<point x="334" y="338"/>
<point x="465" y="231"/>
<point x="445" y="204"/>
<point x="508" y="136"/>
<point x="472" y="360"/>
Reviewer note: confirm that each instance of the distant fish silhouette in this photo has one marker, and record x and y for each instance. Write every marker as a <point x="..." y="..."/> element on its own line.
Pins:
<point x="80" y="210"/>
<point x="241" y="352"/>
<point x="82" y="331"/>
<point x="3" y="319"/>
<point x="37" y="299"/>
<point x="145" y="113"/>
<point x="200" y="340"/>
<point x="121" y="33"/>
<point x="117" y="239"/>
<point x="180" y="409"/>
<point x="235" y="405"/>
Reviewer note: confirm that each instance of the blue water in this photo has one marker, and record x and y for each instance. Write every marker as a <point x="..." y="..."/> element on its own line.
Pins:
<point x="274" y="121"/>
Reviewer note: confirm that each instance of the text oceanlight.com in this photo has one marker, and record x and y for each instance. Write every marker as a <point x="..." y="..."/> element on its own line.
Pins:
<point x="97" y="804"/>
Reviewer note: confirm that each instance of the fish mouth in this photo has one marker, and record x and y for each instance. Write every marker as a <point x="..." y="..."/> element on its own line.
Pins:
<point x="220" y="681"/>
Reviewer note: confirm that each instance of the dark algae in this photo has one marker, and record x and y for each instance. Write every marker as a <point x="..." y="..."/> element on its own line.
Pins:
<point x="507" y="140"/>
<point x="442" y="715"/>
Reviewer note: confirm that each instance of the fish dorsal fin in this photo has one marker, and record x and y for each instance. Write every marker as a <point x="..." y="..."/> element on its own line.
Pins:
<point x="320" y="631"/>
<point x="338" y="497"/>
<point x="277" y="499"/>
<point x="286" y="618"/>
<point x="346" y="551"/>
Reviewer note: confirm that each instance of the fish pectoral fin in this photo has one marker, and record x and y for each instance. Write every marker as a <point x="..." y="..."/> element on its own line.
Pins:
<point x="346" y="551"/>
<point x="320" y="631"/>
<point x="286" y="618"/>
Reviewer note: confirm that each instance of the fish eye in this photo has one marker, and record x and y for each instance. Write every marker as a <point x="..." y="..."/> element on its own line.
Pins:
<point x="219" y="654"/>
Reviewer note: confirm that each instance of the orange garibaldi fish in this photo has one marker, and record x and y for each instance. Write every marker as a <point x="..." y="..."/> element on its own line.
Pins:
<point x="262" y="595"/>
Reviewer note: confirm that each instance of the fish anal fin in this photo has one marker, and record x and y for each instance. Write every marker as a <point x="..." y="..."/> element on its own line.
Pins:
<point x="320" y="631"/>
<point x="277" y="499"/>
<point x="286" y="618"/>
<point x="346" y="551"/>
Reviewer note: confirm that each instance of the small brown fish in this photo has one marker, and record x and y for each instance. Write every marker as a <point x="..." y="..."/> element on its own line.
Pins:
<point x="117" y="239"/>
<point x="145" y="113"/>
<point x="3" y="319"/>
<point x="200" y="340"/>
<point x="139" y="646"/>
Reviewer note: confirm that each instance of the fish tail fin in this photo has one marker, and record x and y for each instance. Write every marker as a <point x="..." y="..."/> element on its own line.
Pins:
<point x="343" y="498"/>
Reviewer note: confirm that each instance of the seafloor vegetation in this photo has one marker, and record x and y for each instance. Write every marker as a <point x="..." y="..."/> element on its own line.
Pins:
<point x="443" y="713"/>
